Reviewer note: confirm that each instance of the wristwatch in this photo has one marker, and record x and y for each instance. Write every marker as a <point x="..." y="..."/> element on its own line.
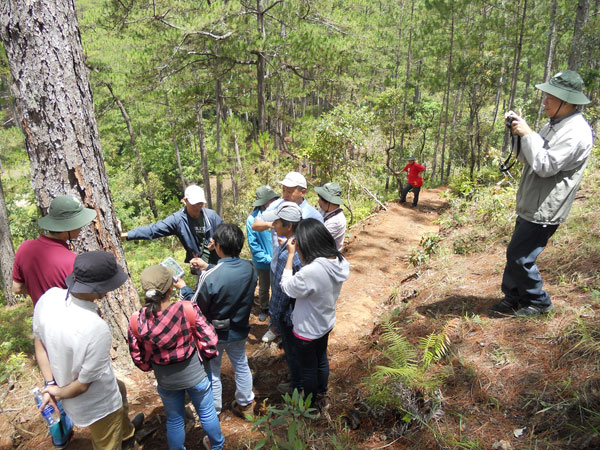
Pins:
<point x="49" y="383"/>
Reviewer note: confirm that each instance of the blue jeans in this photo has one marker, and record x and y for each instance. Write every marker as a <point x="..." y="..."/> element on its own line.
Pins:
<point x="61" y="431"/>
<point x="290" y="349"/>
<point x="174" y="403"/>
<point x="522" y="282"/>
<point x="312" y="357"/>
<point x="236" y="351"/>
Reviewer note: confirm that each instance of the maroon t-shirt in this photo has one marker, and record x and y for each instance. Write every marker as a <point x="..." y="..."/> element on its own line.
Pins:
<point x="41" y="264"/>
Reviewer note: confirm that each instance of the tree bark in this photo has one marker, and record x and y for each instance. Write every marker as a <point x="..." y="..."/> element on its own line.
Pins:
<point x="7" y="251"/>
<point x="51" y="86"/>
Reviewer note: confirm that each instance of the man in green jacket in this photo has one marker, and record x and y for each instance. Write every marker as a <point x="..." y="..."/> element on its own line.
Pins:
<point x="554" y="161"/>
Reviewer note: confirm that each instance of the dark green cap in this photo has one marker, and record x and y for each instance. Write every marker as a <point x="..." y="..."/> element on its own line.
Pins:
<point x="330" y="192"/>
<point x="66" y="214"/>
<point x="263" y="195"/>
<point x="566" y="86"/>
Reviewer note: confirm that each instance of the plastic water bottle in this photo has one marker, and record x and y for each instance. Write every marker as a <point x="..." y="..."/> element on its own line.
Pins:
<point x="49" y="414"/>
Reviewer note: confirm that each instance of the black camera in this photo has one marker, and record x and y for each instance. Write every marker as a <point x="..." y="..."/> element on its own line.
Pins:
<point x="509" y="121"/>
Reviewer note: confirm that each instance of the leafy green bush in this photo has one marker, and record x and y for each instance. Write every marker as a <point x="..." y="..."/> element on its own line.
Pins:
<point x="16" y="339"/>
<point x="430" y="243"/>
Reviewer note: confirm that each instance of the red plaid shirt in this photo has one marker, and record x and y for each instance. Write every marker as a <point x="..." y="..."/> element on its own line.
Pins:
<point x="166" y="337"/>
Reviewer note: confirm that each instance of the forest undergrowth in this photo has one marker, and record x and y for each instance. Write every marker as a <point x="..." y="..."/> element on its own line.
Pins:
<point x="456" y="376"/>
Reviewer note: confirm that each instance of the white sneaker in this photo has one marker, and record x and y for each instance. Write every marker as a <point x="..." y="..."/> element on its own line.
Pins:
<point x="269" y="336"/>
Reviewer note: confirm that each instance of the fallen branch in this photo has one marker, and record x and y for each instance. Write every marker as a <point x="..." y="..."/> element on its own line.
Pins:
<point x="369" y="192"/>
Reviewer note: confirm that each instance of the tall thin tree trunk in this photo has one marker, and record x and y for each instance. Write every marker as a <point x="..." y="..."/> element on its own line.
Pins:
<point x="203" y="155"/>
<point x="515" y="71"/>
<point x="148" y="192"/>
<point x="448" y="79"/>
<point x="550" y="47"/>
<point x="175" y="144"/>
<point x="578" y="43"/>
<point x="517" y="58"/>
<point x="219" y="199"/>
<point x="7" y="251"/>
<point x="50" y="83"/>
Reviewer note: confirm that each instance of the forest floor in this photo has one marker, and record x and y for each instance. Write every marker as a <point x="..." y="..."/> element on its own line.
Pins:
<point x="501" y="389"/>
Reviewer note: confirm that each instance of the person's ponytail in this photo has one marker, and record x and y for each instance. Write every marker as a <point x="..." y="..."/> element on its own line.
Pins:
<point x="153" y="302"/>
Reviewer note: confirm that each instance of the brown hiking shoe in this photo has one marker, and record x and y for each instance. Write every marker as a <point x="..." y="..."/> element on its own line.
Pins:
<point x="245" y="412"/>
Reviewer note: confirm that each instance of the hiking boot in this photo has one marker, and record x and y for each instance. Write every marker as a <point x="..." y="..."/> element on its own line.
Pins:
<point x="262" y="316"/>
<point x="206" y="443"/>
<point x="322" y="402"/>
<point x="131" y="443"/>
<point x="505" y="306"/>
<point x="269" y="336"/>
<point x="533" y="311"/>
<point x="245" y="412"/>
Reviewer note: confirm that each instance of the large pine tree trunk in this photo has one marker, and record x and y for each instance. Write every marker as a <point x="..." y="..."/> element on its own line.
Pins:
<point x="56" y="112"/>
<point x="7" y="251"/>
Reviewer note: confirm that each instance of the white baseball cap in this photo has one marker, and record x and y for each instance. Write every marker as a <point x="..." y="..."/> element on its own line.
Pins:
<point x="194" y="194"/>
<point x="294" y="179"/>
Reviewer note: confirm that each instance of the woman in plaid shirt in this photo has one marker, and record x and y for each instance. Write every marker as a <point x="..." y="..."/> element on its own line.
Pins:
<point x="162" y="338"/>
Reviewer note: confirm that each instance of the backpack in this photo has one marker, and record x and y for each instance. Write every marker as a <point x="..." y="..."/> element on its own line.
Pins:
<point x="190" y="316"/>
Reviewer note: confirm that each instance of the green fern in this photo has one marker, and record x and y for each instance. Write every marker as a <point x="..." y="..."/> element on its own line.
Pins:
<point x="435" y="346"/>
<point x="404" y="364"/>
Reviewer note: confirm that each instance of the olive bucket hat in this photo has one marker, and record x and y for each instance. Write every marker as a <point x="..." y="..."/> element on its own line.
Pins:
<point x="263" y="195"/>
<point x="66" y="213"/>
<point x="330" y="192"/>
<point x="566" y="86"/>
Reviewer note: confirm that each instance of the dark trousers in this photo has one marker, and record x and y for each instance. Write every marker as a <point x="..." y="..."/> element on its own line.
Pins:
<point x="409" y="188"/>
<point x="315" y="365"/>
<point x="288" y="340"/>
<point x="264" y="284"/>
<point x="522" y="282"/>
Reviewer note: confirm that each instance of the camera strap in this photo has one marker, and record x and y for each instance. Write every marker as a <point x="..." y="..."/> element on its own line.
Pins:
<point x="504" y="167"/>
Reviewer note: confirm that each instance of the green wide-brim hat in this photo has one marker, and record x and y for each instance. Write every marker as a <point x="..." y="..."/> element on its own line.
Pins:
<point x="566" y="86"/>
<point x="331" y="192"/>
<point x="66" y="214"/>
<point x="263" y="195"/>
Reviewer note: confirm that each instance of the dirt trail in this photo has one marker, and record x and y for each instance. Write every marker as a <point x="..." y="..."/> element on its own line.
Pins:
<point x="378" y="253"/>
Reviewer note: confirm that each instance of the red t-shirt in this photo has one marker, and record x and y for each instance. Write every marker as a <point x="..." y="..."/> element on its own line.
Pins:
<point x="414" y="174"/>
<point x="41" y="264"/>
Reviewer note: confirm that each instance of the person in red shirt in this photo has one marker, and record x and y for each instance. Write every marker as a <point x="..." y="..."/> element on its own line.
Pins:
<point x="45" y="262"/>
<point x="415" y="180"/>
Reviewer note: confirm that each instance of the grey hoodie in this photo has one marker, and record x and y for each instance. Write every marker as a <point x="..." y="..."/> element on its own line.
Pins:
<point x="316" y="288"/>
